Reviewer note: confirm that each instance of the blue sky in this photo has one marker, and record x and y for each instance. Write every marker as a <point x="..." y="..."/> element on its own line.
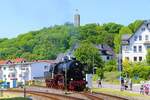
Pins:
<point x="21" y="16"/>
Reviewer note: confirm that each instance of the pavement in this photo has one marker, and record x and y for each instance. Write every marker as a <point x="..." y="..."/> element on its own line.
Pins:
<point x="135" y="87"/>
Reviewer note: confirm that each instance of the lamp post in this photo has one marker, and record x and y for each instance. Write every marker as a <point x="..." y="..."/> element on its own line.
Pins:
<point x="120" y="66"/>
<point x="65" y="67"/>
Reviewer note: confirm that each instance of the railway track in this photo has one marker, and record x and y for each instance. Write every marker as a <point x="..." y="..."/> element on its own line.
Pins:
<point x="60" y="96"/>
<point x="103" y="96"/>
<point x="46" y="96"/>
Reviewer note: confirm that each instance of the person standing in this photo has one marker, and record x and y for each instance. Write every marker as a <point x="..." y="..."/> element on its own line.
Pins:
<point x="99" y="83"/>
<point x="142" y="89"/>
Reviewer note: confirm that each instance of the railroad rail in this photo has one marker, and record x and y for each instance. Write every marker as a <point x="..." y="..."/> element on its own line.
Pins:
<point x="97" y="96"/>
<point x="103" y="96"/>
<point x="45" y="93"/>
<point x="51" y="96"/>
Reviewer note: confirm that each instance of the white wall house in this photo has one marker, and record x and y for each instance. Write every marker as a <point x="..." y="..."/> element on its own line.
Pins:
<point x="13" y="73"/>
<point x="134" y="47"/>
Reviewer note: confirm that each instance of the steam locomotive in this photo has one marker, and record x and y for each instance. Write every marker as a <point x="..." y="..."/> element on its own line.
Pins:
<point x="68" y="74"/>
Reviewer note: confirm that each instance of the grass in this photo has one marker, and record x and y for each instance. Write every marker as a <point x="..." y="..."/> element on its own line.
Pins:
<point x="110" y="77"/>
<point x="15" y="98"/>
<point x="113" y="78"/>
<point x="121" y="93"/>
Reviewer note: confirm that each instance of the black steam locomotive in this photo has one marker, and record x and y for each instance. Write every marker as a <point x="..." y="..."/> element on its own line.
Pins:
<point x="69" y="74"/>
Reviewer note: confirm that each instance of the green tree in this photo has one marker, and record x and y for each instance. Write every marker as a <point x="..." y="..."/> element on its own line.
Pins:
<point x="135" y="25"/>
<point x="127" y="67"/>
<point x="148" y="56"/>
<point x="89" y="55"/>
<point x="117" y="38"/>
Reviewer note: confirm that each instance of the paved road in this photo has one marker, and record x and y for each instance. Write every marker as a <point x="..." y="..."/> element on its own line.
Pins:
<point x="136" y="87"/>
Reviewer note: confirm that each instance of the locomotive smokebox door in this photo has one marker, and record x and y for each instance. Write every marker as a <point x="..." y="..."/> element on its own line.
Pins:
<point x="89" y="80"/>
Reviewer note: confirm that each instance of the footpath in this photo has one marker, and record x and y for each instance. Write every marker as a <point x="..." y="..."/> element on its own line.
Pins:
<point x="135" y="87"/>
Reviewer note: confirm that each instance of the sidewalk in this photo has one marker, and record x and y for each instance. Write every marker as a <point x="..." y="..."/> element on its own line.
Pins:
<point x="135" y="87"/>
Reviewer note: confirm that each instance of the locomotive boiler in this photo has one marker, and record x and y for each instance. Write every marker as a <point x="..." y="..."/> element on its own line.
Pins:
<point x="69" y="74"/>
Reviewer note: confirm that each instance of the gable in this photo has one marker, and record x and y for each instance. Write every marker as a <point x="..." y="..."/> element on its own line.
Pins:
<point x="145" y="27"/>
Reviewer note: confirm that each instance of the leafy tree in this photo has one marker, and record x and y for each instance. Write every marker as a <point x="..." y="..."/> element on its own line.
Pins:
<point x="117" y="38"/>
<point x="135" y="25"/>
<point x="110" y="65"/>
<point x="148" y="56"/>
<point x="125" y="30"/>
<point x="127" y="67"/>
<point x="100" y="73"/>
<point x="112" y="27"/>
<point x="89" y="55"/>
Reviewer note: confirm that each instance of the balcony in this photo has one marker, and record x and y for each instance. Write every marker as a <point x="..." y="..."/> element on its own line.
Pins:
<point x="147" y="43"/>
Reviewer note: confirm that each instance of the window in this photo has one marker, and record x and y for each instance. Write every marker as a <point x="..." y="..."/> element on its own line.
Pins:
<point x="135" y="58"/>
<point x="20" y="75"/>
<point x="46" y="67"/>
<point x="143" y="29"/>
<point x="126" y="48"/>
<point x="148" y="47"/>
<point x="134" y="49"/>
<point x="148" y="25"/>
<point x="4" y="75"/>
<point x="140" y="38"/>
<point x="107" y="57"/>
<point x="140" y="58"/>
<point x="127" y="58"/>
<point x="23" y="68"/>
<point x="13" y="75"/>
<point x="140" y="48"/>
<point x="146" y="37"/>
<point x="4" y="68"/>
<point x="135" y="38"/>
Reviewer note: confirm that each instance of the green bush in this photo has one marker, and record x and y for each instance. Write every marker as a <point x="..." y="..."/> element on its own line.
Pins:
<point x="110" y="66"/>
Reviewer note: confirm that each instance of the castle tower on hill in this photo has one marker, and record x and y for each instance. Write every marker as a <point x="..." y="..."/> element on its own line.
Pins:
<point x="77" y="19"/>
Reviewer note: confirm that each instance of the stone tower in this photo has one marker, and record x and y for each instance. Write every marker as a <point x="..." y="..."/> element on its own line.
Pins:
<point x="77" y="19"/>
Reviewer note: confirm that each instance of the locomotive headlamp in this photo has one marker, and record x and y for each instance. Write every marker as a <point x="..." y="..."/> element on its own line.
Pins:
<point x="71" y="79"/>
<point x="76" y="63"/>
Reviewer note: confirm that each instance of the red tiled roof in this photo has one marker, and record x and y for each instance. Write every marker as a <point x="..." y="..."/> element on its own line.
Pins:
<point x="3" y="61"/>
<point x="47" y="61"/>
<point x="18" y="60"/>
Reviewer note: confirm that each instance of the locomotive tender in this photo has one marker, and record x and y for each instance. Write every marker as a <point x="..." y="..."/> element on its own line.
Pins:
<point x="70" y="73"/>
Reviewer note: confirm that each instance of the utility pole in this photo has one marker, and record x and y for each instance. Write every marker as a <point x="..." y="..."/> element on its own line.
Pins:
<point x="65" y="59"/>
<point x="120" y="66"/>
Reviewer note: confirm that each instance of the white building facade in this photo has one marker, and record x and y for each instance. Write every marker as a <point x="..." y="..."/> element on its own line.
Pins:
<point x="134" y="47"/>
<point x="14" y="73"/>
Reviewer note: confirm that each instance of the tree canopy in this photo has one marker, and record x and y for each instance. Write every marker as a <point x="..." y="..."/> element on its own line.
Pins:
<point x="88" y="54"/>
<point x="48" y="42"/>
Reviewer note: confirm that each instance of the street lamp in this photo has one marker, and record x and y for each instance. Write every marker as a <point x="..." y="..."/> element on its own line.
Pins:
<point x="65" y="67"/>
<point x="120" y="67"/>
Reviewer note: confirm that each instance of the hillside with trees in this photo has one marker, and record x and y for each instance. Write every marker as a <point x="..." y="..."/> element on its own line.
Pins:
<point x="48" y="42"/>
